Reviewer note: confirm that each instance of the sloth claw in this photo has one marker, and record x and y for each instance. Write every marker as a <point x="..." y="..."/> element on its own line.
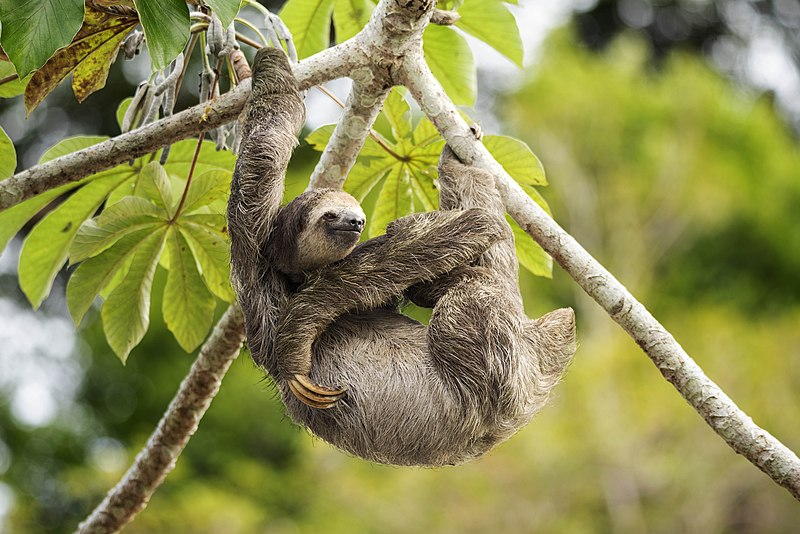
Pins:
<point x="314" y="395"/>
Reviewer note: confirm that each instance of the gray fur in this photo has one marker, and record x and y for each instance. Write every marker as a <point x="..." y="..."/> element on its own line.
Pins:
<point x="416" y="395"/>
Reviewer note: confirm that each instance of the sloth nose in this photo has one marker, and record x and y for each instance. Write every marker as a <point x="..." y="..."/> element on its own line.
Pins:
<point x="356" y="222"/>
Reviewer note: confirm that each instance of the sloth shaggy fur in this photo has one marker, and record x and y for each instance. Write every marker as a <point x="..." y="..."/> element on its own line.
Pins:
<point x="319" y="306"/>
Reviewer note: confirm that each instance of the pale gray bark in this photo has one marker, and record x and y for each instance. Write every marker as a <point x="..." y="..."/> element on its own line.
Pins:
<point x="361" y="110"/>
<point x="389" y="51"/>
<point x="327" y="65"/>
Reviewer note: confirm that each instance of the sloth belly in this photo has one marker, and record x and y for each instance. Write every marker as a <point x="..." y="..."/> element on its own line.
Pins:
<point x="396" y="410"/>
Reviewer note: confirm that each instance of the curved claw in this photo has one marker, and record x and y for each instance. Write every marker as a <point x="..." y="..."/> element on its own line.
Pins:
<point x="314" y="395"/>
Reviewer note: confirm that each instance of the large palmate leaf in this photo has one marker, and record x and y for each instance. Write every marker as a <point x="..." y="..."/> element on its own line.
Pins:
<point x="491" y="22"/>
<point x="34" y="29"/>
<point x="88" y="58"/>
<point x="166" y="28"/>
<point x="450" y="60"/>
<point x="129" y="215"/>
<point x="405" y="171"/>
<point x="310" y="22"/>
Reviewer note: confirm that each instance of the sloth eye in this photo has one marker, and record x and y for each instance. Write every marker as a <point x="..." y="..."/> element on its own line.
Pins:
<point x="329" y="216"/>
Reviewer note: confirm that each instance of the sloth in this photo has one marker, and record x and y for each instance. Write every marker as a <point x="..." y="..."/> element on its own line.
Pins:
<point x="322" y="315"/>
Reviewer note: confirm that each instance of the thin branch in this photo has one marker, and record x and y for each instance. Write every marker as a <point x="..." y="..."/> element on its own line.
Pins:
<point x="717" y="409"/>
<point x="363" y="106"/>
<point x="375" y="136"/>
<point x="327" y="65"/>
<point x="179" y="422"/>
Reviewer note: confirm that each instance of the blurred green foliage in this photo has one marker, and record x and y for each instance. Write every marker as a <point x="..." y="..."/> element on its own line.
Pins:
<point x="683" y="186"/>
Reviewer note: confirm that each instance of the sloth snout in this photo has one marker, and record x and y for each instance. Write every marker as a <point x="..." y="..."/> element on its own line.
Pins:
<point x="356" y="223"/>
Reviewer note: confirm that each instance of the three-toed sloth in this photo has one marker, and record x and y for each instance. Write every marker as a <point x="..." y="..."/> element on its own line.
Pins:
<point x="322" y="313"/>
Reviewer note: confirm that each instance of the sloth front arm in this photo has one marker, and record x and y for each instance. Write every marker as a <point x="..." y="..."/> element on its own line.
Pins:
<point x="415" y="249"/>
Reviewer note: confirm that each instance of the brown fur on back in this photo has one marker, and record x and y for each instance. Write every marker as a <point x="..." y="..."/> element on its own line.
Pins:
<point x="416" y="395"/>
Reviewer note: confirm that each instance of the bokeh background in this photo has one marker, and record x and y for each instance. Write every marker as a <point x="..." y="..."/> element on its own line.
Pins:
<point x="669" y="133"/>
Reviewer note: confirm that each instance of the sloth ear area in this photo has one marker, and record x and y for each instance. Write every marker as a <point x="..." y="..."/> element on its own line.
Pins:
<point x="281" y="249"/>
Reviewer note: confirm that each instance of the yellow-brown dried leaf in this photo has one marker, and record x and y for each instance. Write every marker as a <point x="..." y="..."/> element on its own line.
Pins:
<point x="88" y="58"/>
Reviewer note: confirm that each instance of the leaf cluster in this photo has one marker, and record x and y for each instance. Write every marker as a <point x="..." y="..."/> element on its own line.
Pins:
<point x="138" y="228"/>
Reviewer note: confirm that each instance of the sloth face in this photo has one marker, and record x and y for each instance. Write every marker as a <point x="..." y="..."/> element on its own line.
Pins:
<point x="333" y="228"/>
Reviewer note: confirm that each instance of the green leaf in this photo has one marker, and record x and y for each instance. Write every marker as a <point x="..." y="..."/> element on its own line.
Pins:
<point x="450" y="59"/>
<point x="310" y="24"/>
<point x="517" y="159"/>
<point x="126" y="216"/>
<point x="154" y="185"/>
<point x="94" y="274"/>
<point x="211" y="249"/>
<point x="14" y="218"/>
<point x="209" y="188"/>
<point x="8" y="156"/>
<point x="166" y="29"/>
<point x="188" y="306"/>
<point x="422" y="184"/>
<point x="226" y="10"/>
<point x="492" y="22"/>
<point x="121" y="109"/>
<point x="45" y="249"/>
<point x="425" y="132"/>
<point x="126" y="312"/>
<point x="350" y="16"/>
<point x="70" y="145"/>
<point x="14" y="87"/>
<point x="394" y="201"/>
<point x="366" y="175"/>
<point x="34" y="29"/>
<point x="397" y="112"/>
<point x="319" y="138"/>
<point x="182" y="153"/>
<point x="529" y="254"/>
<point x="538" y="198"/>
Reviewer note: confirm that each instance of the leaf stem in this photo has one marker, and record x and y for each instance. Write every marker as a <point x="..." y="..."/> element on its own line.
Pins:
<point x="252" y="27"/>
<point x="9" y="79"/>
<point x="246" y="40"/>
<point x="197" y="149"/>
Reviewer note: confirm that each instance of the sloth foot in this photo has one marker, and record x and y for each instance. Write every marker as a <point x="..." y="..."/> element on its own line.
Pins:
<point x="314" y="395"/>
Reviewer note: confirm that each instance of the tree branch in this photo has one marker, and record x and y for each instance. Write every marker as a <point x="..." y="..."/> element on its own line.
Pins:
<point x="327" y="65"/>
<point x="717" y="409"/>
<point x="361" y="110"/>
<point x="179" y="422"/>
